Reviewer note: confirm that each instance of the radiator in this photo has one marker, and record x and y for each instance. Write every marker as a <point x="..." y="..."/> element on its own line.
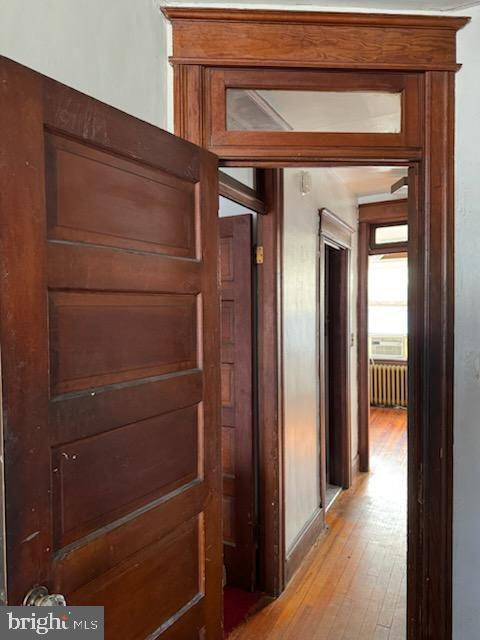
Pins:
<point x="388" y="385"/>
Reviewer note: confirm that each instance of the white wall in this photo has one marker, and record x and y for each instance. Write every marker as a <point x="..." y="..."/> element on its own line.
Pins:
<point x="228" y="208"/>
<point x="300" y="327"/>
<point x="466" y="560"/>
<point x="113" y="50"/>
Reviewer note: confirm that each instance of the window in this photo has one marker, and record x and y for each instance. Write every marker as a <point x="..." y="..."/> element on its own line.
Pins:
<point x="310" y="109"/>
<point x="388" y="300"/>
<point x="320" y="111"/>
<point x="391" y="235"/>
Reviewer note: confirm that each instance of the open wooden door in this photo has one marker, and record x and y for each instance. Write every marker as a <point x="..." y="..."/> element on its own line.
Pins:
<point x="109" y="330"/>
<point x="237" y="401"/>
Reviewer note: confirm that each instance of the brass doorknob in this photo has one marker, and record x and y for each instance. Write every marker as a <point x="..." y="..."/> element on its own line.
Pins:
<point x="39" y="597"/>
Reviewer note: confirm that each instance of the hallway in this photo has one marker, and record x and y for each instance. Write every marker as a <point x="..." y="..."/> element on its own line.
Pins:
<point x="352" y="586"/>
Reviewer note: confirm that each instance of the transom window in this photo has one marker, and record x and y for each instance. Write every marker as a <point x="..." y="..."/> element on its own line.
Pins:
<point x="316" y="111"/>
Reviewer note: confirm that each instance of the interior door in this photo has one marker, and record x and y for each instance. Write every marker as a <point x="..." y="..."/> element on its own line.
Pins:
<point x="110" y="362"/>
<point x="237" y="401"/>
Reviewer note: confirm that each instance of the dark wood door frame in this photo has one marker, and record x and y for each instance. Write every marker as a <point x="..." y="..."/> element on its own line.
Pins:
<point x="336" y="233"/>
<point x="272" y="551"/>
<point x="369" y="215"/>
<point x="425" y="45"/>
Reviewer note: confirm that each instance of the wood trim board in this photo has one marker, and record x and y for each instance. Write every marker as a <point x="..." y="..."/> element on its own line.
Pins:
<point x="384" y="211"/>
<point x="270" y="385"/>
<point x="232" y="189"/>
<point x="303" y="544"/>
<point x="329" y="40"/>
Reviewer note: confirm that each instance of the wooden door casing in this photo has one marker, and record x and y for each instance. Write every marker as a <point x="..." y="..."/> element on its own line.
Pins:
<point x="237" y="400"/>
<point x="110" y="348"/>
<point x="424" y="44"/>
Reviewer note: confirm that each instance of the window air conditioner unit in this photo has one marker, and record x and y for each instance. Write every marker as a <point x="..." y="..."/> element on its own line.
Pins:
<point x="388" y="347"/>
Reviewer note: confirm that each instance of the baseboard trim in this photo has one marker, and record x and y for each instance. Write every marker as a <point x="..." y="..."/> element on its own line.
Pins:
<point x="306" y="539"/>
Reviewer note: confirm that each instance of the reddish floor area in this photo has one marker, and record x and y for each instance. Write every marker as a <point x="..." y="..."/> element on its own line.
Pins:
<point x="237" y="604"/>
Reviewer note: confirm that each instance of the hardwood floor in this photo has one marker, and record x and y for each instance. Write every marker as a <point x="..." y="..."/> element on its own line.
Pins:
<point x="352" y="585"/>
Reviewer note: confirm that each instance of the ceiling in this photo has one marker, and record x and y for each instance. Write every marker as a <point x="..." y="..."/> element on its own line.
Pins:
<point x="362" y="182"/>
<point x="385" y="5"/>
<point x="369" y="181"/>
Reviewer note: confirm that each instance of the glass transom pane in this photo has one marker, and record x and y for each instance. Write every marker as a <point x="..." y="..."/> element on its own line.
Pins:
<point x="390" y="235"/>
<point x="314" y="111"/>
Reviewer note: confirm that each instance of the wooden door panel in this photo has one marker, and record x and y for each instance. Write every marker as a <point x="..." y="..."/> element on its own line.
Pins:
<point x="96" y="197"/>
<point x="237" y="400"/>
<point x="90" y="561"/>
<point x="134" y="585"/>
<point x="70" y="264"/>
<point x="228" y="394"/>
<point x="153" y="457"/>
<point x="103" y="338"/>
<point x="78" y="417"/>
<point x="110" y="324"/>
<point x="228" y="444"/>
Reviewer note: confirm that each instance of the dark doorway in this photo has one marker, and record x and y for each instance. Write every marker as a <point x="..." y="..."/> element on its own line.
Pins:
<point x="334" y="356"/>
<point x="336" y="370"/>
<point x="335" y="338"/>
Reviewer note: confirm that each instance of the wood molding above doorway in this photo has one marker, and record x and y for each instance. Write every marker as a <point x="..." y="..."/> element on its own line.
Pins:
<point x="421" y="45"/>
<point x="383" y="211"/>
<point x="328" y="40"/>
<point x="335" y="229"/>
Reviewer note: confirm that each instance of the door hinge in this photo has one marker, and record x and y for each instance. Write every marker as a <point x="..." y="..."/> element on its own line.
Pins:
<point x="259" y="254"/>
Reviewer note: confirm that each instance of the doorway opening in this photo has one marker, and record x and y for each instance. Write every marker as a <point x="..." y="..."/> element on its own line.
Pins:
<point x="388" y="335"/>
<point x="335" y="321"/>
<point x="238" y="210"/>
<point x="323" y="486"/>
<point x="382" y="312"/>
